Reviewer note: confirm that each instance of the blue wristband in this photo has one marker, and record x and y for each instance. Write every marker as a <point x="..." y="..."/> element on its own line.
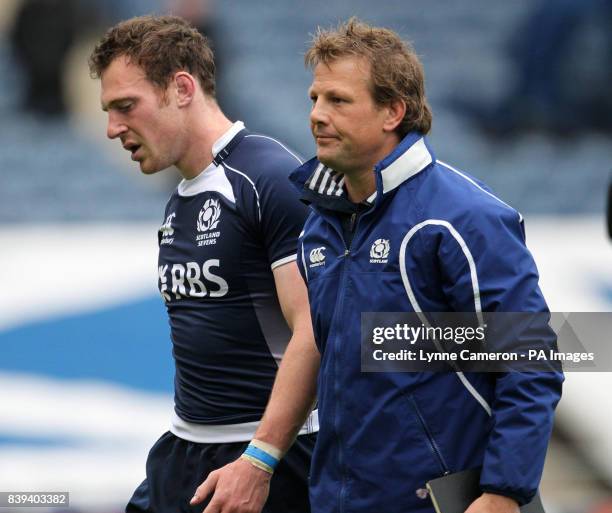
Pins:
<point x="261" y="455"/>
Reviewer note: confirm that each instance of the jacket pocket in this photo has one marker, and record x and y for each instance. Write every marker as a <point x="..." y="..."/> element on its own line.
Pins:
<point x="433" y="445"/>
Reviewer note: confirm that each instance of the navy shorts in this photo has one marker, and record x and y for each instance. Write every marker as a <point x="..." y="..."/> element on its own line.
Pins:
<point x="176" y="467"/>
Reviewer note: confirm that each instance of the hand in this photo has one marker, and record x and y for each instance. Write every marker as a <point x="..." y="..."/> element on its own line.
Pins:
<point x="493" y="503"/>
<point x="238" y="487"/>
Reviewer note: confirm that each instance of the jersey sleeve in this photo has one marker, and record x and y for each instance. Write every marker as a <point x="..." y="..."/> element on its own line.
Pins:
<point x="281" y="213"/>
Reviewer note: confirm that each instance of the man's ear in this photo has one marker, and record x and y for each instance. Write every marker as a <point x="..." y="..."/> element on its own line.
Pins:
<point x="396" y="110"/>
<point x="185" y="88"/>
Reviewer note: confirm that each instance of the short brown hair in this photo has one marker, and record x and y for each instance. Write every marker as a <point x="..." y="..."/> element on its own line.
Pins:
<point x="396" y="71"/>
<point x="161" y="46"/>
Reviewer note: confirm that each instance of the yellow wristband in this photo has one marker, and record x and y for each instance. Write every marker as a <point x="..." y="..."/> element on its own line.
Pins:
<point x="269" y="448"/>
<point x="257" y="463"/>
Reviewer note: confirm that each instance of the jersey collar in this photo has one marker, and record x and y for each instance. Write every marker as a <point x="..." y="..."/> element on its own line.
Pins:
<point x="223" y="146"/>
<point x="209" y="178"/>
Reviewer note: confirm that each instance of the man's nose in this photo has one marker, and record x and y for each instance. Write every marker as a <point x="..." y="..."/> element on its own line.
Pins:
<point x="318" y="113"/>
<point x="114" y="128"/>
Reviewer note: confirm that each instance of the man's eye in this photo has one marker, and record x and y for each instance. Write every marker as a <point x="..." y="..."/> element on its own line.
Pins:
<point x="335" y="99"/>
<point x="125" y="107"/>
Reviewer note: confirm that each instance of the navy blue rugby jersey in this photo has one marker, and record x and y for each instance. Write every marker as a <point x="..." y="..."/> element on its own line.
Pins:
<point x="224" y="232"/>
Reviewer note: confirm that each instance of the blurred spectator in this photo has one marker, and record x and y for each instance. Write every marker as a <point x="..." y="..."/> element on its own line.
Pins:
<point x="42" y="35"/>
<point x="553" y="92"/>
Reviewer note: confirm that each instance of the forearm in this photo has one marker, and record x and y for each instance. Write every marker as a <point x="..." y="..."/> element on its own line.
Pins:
<point x="244" y="485"/>
<point x="293" y="394"/>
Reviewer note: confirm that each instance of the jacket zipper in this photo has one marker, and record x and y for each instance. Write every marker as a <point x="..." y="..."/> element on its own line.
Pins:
<point x="432" y="443"/>
<point x="339" y="311"/>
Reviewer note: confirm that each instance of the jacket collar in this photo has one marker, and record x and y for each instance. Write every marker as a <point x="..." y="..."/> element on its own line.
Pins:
<point x="324" y="187"/>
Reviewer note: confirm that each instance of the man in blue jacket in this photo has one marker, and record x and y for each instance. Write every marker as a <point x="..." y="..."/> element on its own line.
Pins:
<point x="392" y="229"/>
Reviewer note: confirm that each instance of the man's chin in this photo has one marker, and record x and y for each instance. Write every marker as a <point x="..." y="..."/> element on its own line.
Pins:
<point x="148" y="168"/>
<point x="325" y="157"/>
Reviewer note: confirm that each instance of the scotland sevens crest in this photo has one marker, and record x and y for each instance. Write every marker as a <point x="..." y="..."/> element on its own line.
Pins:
<point x="208" y="218"/>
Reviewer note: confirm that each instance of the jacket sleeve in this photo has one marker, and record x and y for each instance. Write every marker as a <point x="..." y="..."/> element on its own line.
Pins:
<point x="484" y="263"/>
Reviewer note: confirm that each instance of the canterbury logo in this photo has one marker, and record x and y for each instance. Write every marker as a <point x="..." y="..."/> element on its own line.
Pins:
<point x="317" y="257"/>
<point x="166" y="228"/>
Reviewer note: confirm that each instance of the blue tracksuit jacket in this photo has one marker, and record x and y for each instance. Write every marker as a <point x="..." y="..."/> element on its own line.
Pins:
<point x="432" y="240"/>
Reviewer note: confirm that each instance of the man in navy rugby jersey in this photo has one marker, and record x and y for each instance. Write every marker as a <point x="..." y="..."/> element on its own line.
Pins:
<point x="227" y="251"/>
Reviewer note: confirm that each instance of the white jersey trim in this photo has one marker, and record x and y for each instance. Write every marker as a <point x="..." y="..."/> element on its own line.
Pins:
<point x="279" y="143"/>
<point x="225" y="139"/>
<point x="283" y="261"/>
<point x="227" y="166"/>
<point x="211" y="179"/>
<point x="227" y="433"/>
